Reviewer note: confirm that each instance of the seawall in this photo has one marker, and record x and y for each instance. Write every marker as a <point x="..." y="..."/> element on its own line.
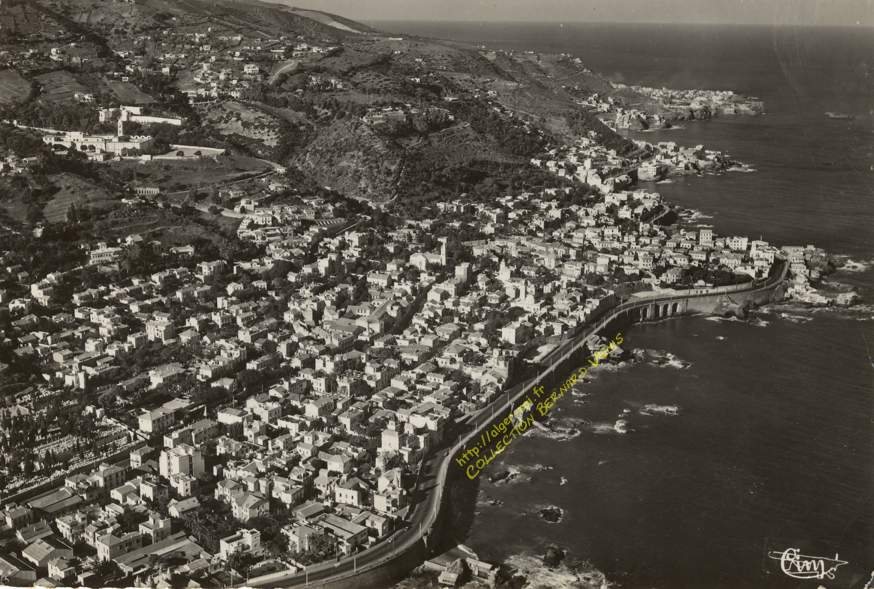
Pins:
<point x="734" y="300"/>
<point x="381" y="571"/>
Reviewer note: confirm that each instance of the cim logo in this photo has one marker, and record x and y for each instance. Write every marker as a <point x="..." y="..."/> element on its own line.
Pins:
<point x="802" y="566"/>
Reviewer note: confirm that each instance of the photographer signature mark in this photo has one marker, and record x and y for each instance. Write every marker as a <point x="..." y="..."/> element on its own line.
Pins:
<point x="802" y="566"/>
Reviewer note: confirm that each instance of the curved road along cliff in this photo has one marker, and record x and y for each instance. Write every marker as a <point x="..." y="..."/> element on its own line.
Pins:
<point x="411" y="543"/>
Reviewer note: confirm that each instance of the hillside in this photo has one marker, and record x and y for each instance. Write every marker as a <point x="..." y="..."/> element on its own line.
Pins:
<point x="370" y="115"/>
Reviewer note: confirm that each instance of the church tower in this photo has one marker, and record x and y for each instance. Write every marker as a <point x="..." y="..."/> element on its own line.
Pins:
<point x="504" y="272"/>
<point x="444" y="251"/>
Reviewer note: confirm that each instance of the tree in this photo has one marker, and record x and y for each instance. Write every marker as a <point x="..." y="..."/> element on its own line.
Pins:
<point x="247" y="379"/>
<point x="107" y="399"/>
<point x="322" y="547"/>
<point x="139" y="259"/>
<point x="161" y="505"/>
<point x="271" y="531"/>
<point x="210" y="523"/>
<point x="163" y="136"/>
<point x="241" y="562"/>
<point x="130" y="521"/>
<point x="48" y="460"/>
<point x="72" y="214"/>
<point x="34" y="213"/>
<point x="107" y="569"/>
<point x="81" y="549"/>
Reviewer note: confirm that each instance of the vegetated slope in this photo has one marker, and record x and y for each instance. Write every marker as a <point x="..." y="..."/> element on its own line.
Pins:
<point x="349" y="156"/>
<point x="130" y="18"/>
<point x="76" y="192"/>
<point x="13" y="88"/>
<point x="333" y="20"/>
<point x="372" y="115"/>
<point x="504" y="109"/>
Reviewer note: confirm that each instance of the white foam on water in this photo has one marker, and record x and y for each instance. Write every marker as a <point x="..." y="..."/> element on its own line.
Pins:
<point x="538" y="575"/>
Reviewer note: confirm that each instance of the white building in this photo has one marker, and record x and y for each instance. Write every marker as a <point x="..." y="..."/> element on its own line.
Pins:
<point x="242" y="541"/>
<point x="183" y="459"/>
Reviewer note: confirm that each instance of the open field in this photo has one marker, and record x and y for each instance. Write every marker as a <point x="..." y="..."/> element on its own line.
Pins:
<point x="127" y="93"/>
<point x="221" y="229"/>
<point x="60" y="86"/>
<point x="23" y="19"/>
<point x="78" y="191"/>
<point x="168" y="225"/>
<point x="371" y="82"/>
<point x="178" y="175"/>
<point x="13" y="88"/>
<point x="286" y="114"/>
<point x="13" y="200"/>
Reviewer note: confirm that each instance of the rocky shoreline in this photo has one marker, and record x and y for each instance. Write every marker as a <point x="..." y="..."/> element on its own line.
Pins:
<point x="553" y="568"/>
<point x="685" y="105"/>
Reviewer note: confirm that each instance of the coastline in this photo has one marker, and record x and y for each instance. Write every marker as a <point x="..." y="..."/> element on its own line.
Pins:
<point x="720" y="165"/>
<point x="623" y="482"/>
<point x="522" y="389"/>
<point x="727" y="165"/>
<point x="325" y="361"/>
<point x="778" y="150"/>
<point x="425" y="526"/>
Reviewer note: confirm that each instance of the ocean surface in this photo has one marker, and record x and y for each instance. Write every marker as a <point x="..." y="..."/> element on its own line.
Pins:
<point x="771" y="447"/>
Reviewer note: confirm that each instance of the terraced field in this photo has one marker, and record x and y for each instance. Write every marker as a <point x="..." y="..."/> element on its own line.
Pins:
<point x="13" y="88"/>
<point x="75" y="190"/>
<point x="13" y="202"/>
<point x="127" y="93"/>
<point x="180" y="175"/>
<point x="60" y="86"/>
<point x="21" y="18"/>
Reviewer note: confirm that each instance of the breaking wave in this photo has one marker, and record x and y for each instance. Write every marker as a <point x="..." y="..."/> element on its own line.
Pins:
<point x="508" y="475"/>
<point x="660" y="358"/>
<point x="533" y="573"/>
<point x="552" y="514"/>
<point x="754" y="321"/>
<point x="653" y="409"/>
<point x="801" y="312"/>
<point x="558" y="430"/>
<point x="847" y="264"/>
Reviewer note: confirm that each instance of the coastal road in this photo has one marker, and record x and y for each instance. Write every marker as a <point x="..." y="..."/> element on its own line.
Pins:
<point x="288" y="67"/>
<point x="387" y="550"/>
<point x="435" y="470"/>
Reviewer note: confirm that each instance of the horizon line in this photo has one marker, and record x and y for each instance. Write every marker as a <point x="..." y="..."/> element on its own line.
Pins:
<point x="616" y="22"/>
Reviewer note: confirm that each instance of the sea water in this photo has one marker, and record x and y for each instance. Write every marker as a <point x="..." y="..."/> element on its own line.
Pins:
<point x="771" y="445"/>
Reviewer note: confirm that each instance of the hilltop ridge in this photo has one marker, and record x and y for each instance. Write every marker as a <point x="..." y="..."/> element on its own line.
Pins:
<point x="460" y="115"/>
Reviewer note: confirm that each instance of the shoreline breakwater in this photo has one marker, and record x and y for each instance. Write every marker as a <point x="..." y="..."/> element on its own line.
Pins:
<point x="429" y="516"/>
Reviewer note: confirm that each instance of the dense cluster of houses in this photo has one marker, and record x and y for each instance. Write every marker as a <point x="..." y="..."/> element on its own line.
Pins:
<point x="374" y="343"/>
<point x="333" y="379"/>
<point x="700" y="103"/>
<point x="684" y="104"/>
